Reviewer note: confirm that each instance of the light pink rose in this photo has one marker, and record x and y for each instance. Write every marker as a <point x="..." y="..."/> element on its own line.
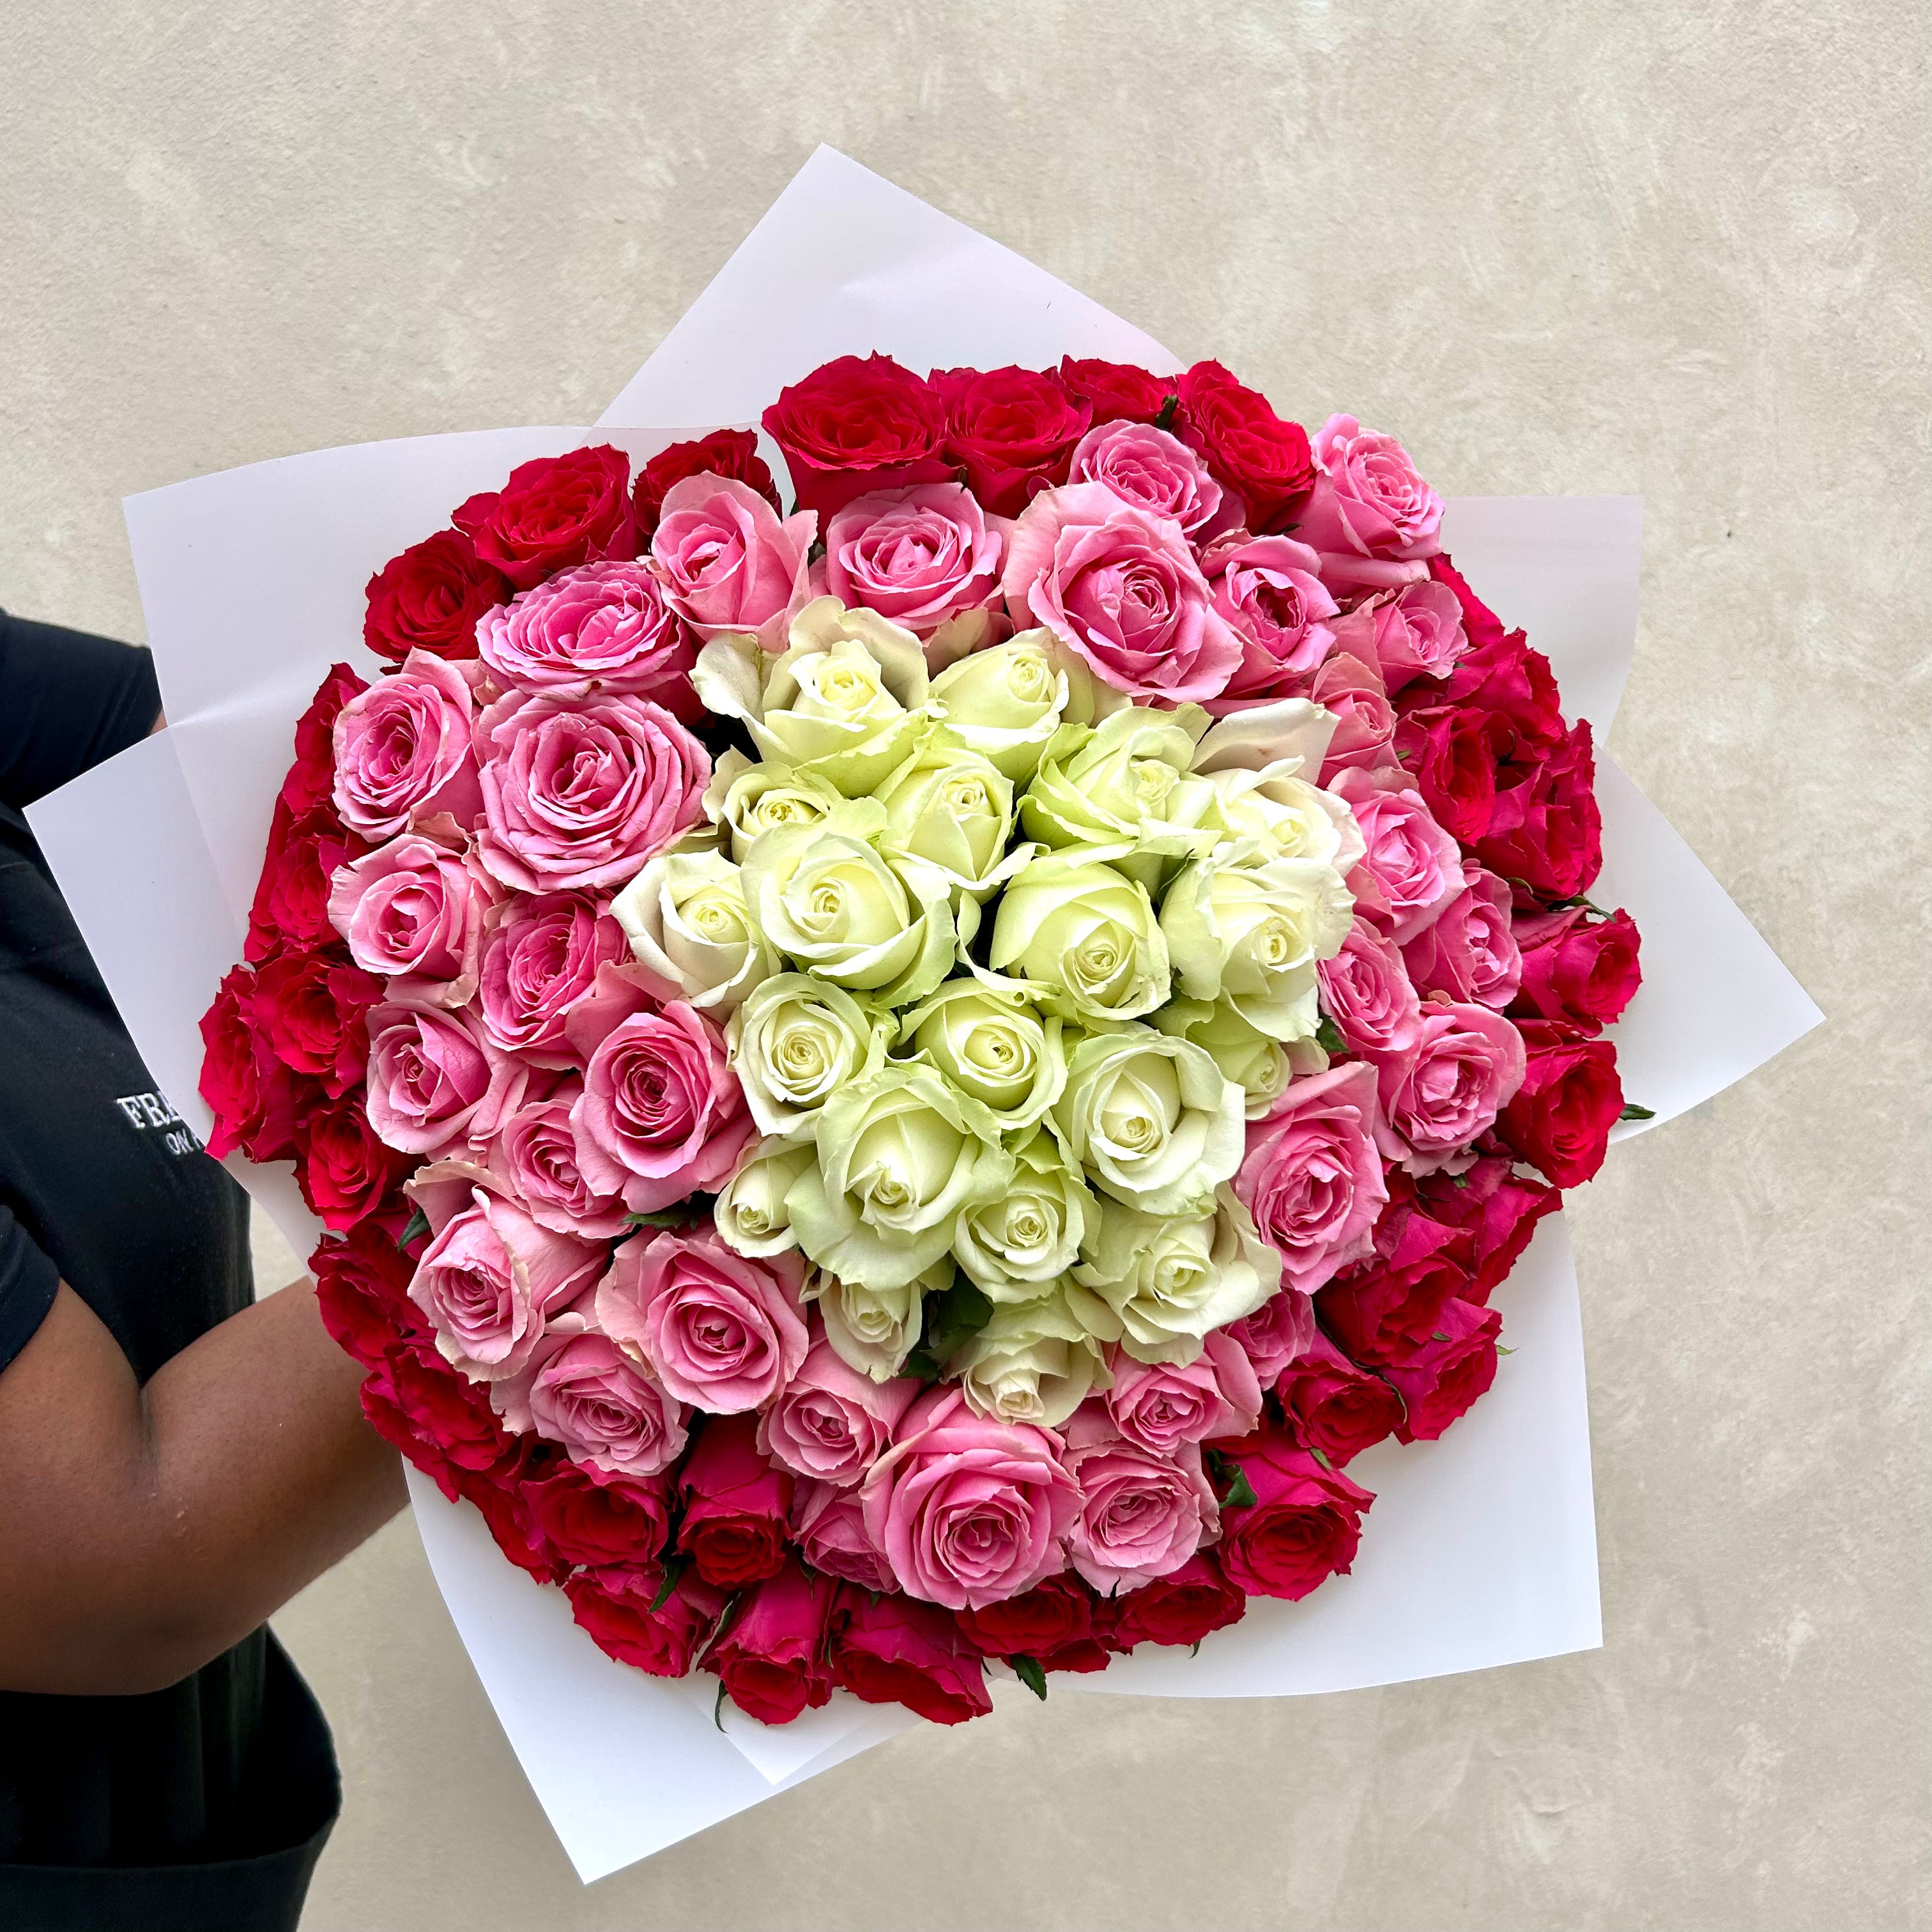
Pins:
<point x="1466" y="1066"/>
<point x="829" y="1524"/>
<point x="1365" y="990"/>
<point x="403" y="749"/>
<point x="726" y="563"/>
<point x="540" y="957"/>
<point x="1470" y="952"/>
<point x="968" y="1510"/>
<point x="1275" y="1333"/>
<point x="723" y="1332"/>
<point x="608" y="1411"/>
<point x="600" y="627"/>
<point x="832" y="1424"/>
<point x="1353" y="691"/>
<point x="1416" y="631"/>
<point x="1142" y="1514"/>
<point x="413" y="911"/>
<point x="1121" y="589"/>
<point x="1412" y="868"/>
<point x="1268" y="589"/>
<point x="661" y="1114"/>
<point x="435" y="1083"/>
<point x="1163" y="1405"/>
<point x="926" y="556"/>
<point x="581" y="791"/>
<point x="1312" y="1177"/>
<point x="1373" y="518"/>
<point x="492" y="1276"/>
<point x="535" y="1153"/>
<point x="1152" y="470"/>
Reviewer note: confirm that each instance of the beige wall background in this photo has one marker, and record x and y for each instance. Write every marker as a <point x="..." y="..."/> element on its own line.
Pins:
<point x="1677" y="249"/>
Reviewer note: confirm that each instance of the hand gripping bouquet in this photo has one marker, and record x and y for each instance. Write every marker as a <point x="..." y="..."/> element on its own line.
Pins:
<point x="901" y="1071"/>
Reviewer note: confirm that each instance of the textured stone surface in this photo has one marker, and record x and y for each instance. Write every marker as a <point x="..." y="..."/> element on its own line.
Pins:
<point x="1679" y="249"/>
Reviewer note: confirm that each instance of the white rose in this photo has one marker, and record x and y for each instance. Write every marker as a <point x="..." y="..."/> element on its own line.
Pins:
<point x="873" y="1330"/>
<point x="1284" y="817"/>
<point x="949" y="806"/>
<point x="685" y="918"/>
<point x="1260" y="1066"/>
<point x="1034" y="1362"/>
<point x="993" y="1044"/>
<point x="1085" y="934"/>
<point x="1007" y="702"/>
<point x="1012" y="1247"/>
<point x="750" y="1214"/>
<point x="745" y="800"/>
<point x="796" y="1041"/>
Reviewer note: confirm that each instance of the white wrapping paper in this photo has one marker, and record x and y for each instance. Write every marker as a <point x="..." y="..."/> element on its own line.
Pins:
<point x="1481" y="1548"/>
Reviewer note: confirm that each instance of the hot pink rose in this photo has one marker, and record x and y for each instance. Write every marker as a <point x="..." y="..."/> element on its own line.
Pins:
<point x="1470" y="951"/>
<point x="923" y="556"/>
<point x="1152" y="470"/>
<point x="724" y="1332"/>
<point x="832" y="1424"/>
<point x="1373" y="518"/>
<point x="1303" y="1527"/>
<point x="1366" y="723"/>
<point x="601" y="627"/>
<point x="830" y="1523"/>
<point x="969" y="1510"/>
<point x="1266" y="588"/>
<point x="1366" y="990"/>
<point x="1142" y="1515"/>
<point x="1120" y="588"/>
<point x="1439" y="1382"/>
<point x="605" y="1407"/>
<point x="1412" y="868"/>
<point x="412" y="910"/>
<point x="581" y="791"/>
<point x="403" y="750"/>
<point x="492" y="1276"/>
<point x="435" y="1083"/>
<point x="661" y="1114"/>
<point x="535" y="1152"/>
<point x="726" y="563"/>
<point x="1312" y="1178"/>
<point x="1416" y="631"/>
<point x="540" y="958"/>
<point x="1277" y="1331"/>
<point x="1163" y="1405"/>
<point x="1466" y="1066"/>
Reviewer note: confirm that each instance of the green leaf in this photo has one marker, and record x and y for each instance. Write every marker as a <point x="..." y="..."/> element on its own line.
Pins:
<point x="1240" y="1492"/>
<point x="1321" y="1459"/>
<point x="1578" y="899"/>
<point x="1194" y="1648"/>
<point x="1501" y="1350"/>
<point x="1459" y="1180"/>
<point x="673" y="1568"/>
<point x="1165" y="419"/>
<point x="947" y="1321"/>
<point x="414" y="1228"/>
<point x="1328" y="1037"/>
<point x="1027" y="1670"/>
<point x="1437" y="1335"/>
<point x="1632" y="1111"/>
<point x="717" y="1708"/>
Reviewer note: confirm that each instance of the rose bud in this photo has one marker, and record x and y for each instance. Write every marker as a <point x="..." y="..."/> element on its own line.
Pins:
<point x="772" y="1654"/>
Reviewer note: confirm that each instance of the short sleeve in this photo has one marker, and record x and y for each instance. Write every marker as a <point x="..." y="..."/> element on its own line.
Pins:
<point x="27" y="1282"/>
<point x="67" y="700"/>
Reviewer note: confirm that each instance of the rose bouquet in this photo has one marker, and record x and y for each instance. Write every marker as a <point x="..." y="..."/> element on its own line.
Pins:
<point x="907" y="1082"/>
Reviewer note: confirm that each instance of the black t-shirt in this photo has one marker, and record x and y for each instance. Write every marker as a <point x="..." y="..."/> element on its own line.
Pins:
<point x="205" y="1804"/>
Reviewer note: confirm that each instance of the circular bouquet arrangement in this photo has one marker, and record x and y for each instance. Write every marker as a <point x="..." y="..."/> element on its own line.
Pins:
<point x="908" y="1083"/>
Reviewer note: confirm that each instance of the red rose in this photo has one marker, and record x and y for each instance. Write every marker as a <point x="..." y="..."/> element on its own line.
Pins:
<point x="1118" y="391"/>
<point x="429" y="598"/>
<point x="1384" y="1311"/>
<point x="251" y="1093"/>
<point x="1303" y="1526"/>
<point x="771" y="1655"/>
<point x="1333" y="1406"/>
<point x="1181" y="1607"/>
<point x="614" y="1606"/>
<point x="291" y="906"/>
<point x="1577" y="967"/>
<point x="442" y="1422"/>
<point x="1267" y="461"/>
<point x="1501" y="673"/>
<point x="895" y="1650"/>
<point x="1480" y="624"/>
<point x="314" y="1007"/>
<point x="498" y="1492"/>
<point x="1556" y="849"/>
<point x="555" y="511"/>
<point x="310" y="782"/>
<point x="1052" y="1614"/>
<point x="1439" y="1383"/>
<point x="344" y="1170"/>
<point x="724" y="452"/>
<point x="360" y="1291"/>
<point x="586" y="1518"/>
<point x="735" y="1504"/>
<point x="1012" y="429"/>
<point x="854" y="426"/>
<point x="1451" y="752"/>
<point x="1496" y="1208"/>
<point x="1561" y="1118"/>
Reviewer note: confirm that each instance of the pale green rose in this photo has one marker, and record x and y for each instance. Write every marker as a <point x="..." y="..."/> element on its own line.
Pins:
<point x="1260" y="1066"/>
<point x="1085" y="934"/>
<point x="826" y="897"/>
<point x="1159" y="1284"/>
<point x="1034" y="1362"/>
<point x="750" y="1214"/>
<point x="949" y="806"/>
<point x="900" y="1153"/>
<point x="796" y="1041"/>
<point x="873" y="1330"/>
<point x="1151" y="1119"/>
<point x="1007" y="702"/>
<point x="1013" y="1247"/>
<point x="1282" y="816"/>
<point x="992" y="1043"/>
<point x="686" y="917"/>
<point x="1250" y="934"/>
<point x="1128" y="781"/>
<point x="1293" y="731"/>
<point x="745" y="800"/>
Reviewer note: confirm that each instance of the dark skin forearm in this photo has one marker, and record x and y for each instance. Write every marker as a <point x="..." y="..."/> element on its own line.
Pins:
<point x="143" y="1530"/>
